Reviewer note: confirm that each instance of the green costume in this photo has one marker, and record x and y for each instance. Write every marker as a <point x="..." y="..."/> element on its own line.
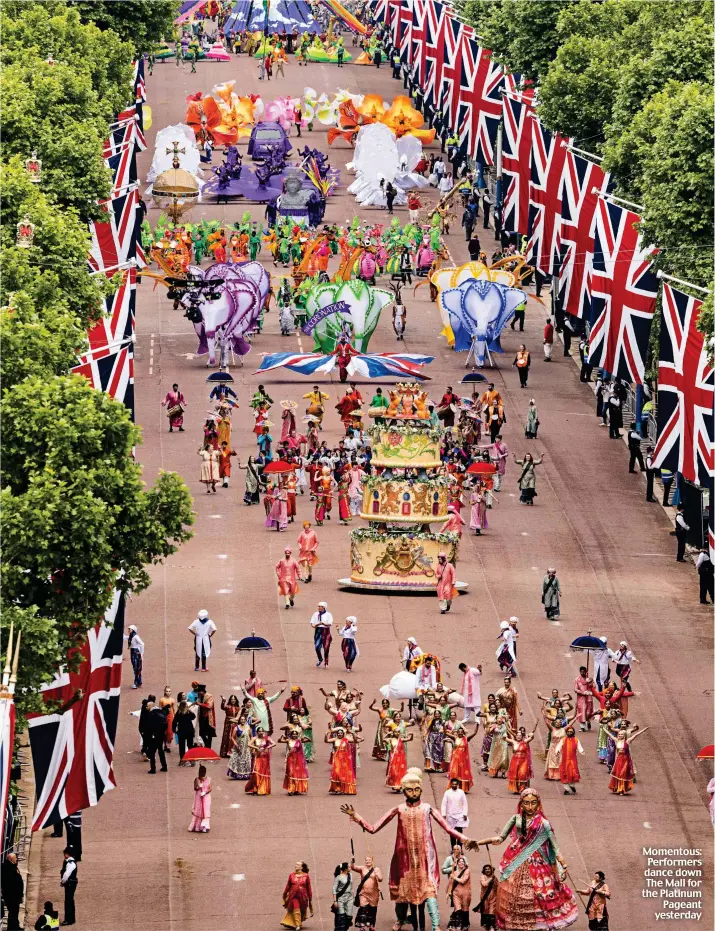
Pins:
<point x="255" y="242"/>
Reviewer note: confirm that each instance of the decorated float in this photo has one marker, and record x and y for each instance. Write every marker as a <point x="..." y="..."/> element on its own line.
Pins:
<point x="398" y="551"/>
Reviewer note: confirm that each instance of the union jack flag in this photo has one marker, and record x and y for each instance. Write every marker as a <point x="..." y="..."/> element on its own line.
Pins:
<point x="369" y="365"/>
<point x="582" y="182"/>
<point x="622" y="288"/>
<point x="133" y="115"/>
<point x="404" y="32"/>
<point x="548" y="157"/>
<point x="686" y="391"/>
<point x="436" y="24"/>
<point x="114" y="239"/>
<point x="72" y="747"/>
<point x="455" y="34"/>
<point x="516" y="157"/>
<point x="418" y="37"/>
<point x="380" y="10"/>
<point x="7" y="743"/>
<point x="480" y="104"/>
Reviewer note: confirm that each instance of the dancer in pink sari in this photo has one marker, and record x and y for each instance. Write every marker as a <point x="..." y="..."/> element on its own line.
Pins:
<point x="201" y="810"/>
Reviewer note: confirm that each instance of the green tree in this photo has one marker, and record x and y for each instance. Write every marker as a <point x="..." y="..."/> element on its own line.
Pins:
<point x="141" y="22"/>
<point x="706" y="323"/>
<point x="77" y="519"/>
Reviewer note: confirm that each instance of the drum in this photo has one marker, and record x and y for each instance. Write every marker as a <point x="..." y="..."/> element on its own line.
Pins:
<point x="176" y="411"/>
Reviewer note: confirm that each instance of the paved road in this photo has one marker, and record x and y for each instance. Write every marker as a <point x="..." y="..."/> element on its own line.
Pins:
<point x="142" y="870"/>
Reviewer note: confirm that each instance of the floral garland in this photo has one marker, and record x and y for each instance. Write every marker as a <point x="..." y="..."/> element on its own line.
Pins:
<point x="372" y="481"/>
<point x="393" y="535"/>
<point x="417" y="427"/>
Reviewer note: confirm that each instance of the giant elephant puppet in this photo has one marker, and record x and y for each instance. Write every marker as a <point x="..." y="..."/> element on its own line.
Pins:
<point x="242" y="291"/>
<point x="478" y="311"/>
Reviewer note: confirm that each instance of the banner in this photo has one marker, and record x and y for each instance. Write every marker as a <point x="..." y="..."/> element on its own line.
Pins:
<point x="339" y="307"/>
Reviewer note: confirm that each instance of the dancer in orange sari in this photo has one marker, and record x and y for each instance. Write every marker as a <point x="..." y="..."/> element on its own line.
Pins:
<point x="307" y="551"/>
<point x="396" y="757"/>
<point x="623" y="774"/>
<point x="295" y="781"/>
<point x="342" y="772"/>
<point x="260" y="780"/>
<point x="520" y="772"/>
<point x="460" y="766"/>
<point x="568" y="767"/>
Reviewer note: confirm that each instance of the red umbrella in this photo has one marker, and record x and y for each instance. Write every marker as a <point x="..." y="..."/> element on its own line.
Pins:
<point x="279" y="467"/>
<point x="707" y="753"/>
<point x="482" y="468"/>
<point x="202" y="754"/>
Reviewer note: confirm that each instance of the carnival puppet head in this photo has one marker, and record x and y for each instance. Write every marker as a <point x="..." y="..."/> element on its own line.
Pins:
<point x="529" y="803"/>
<point x="411" y="785"/>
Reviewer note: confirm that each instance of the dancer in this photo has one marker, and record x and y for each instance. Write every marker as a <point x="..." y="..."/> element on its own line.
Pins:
<point x="532" y="862"/>
<point x="239" y="763"/>
<point x="460" y="766"/>
<point x="527" y="479"/>
<point x="259" y="782"/>
<point x="322" y="622"/>
<point x="459" y="894"/>
<point x="446" y="575"/>
<point x="551" y="594"/>
<point x="396" y="757"/>
<point x="568" y="766"/>
<point x="385" y="714"/>
<point x="521" y="771"/>
<point x="307" y="551"/>
<point x="287" y="574"/>
<point x="583" y="687"/>
<point x="623" y="774"/>
<point x="209" y="467"/>
<point x="596" y="909"/>
<point x="232" y="709"/>
<point x="201" y="809"/>
<point x="295" y="781"/>
<point x="349" y="644"/>
<point x="297" y="897"/>
<point x="175" y="403"/>
<point x="342" y="772"/>
<point x="203" y="629"/>
<point x="487" y="903"/>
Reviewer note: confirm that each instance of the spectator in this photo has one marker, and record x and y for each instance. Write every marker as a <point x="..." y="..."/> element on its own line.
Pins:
<point x="13" y="891"/>
<point x="548" y="339"/>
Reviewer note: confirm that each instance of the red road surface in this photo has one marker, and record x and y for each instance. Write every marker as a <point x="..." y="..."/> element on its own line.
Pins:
<point x="143" y="870"/>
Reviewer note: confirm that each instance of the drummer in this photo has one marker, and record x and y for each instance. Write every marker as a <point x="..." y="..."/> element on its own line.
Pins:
<point x="447" y="407"/>
<point x="175" y="403"/>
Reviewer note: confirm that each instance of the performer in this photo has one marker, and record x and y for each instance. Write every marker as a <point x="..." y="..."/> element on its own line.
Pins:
<point x="201" y="809"/>
<point x="508" y="698"/>
<point x="460" y="766"/>
<point x="232" y="710"/>
<point x="344" y="352"/>
<point x="488" y="901"/>
<point x="316" y="407"/>
<point x="367" y="894"/>
<point x="295" y="781"/>
<point x="175" y="403"/>
<point x="623" y="774"/>
<point x="307" y="551"/>
<point x="288" y="573"/>
<point x="224" y="464"/>
<point x="531" y="892"/>
<point x="459" y="894"/>
<point x="446" y="591"/>
<point x="203" y="629"/>
<point x="342" y="772"/>
<point x="396" y="757"/>
<point x="596" y="909"/>
<point x="568" y="766"/>
<point x="297" y="897"/>
<point x="322" y="622"/>
<point x="414" y="870"/>
<point x="260" y="780"/>
<point x="209" y="474"/>
<point x="521" y="771"/>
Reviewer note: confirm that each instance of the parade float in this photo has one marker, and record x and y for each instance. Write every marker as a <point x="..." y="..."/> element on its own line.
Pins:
<point x="398" y="551"/>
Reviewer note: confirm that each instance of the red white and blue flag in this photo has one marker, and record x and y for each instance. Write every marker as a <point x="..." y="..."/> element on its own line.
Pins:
<point x="369" y="365"/>
<point x="114" y="239"/>
<point x="73" y="743"/>
<point x="455" y="34"/>
<point x="582" y="182"/>
<point x="404" y="32"/>
<point x="436" y="25"/>
<point x="548" y="157"/>
<point x="7" y="743"/>
<point x="480" y="103"/>
<point x="686" y="391"/>
<point x="622" y="289"/>
<point x="418" y="37"/>
<point x="516" y="160"/>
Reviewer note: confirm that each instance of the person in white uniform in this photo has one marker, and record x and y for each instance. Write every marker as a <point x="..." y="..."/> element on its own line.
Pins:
<point x="203" y="629"/>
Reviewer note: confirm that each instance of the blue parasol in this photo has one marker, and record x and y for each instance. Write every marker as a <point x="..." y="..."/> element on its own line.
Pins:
<point x="586" y="644"/>
<point x="223" y="378"/>
<point x="252" y="645"/>
<point x="473" y="376"/>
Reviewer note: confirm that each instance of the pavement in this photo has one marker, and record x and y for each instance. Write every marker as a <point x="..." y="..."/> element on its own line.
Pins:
<point x="616" y="562"/>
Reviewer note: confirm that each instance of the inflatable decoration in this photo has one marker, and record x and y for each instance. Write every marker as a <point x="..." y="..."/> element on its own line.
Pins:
<point x="363" y="305"/>
<point x="476" y="303"/>
<point x="403" y="119"/>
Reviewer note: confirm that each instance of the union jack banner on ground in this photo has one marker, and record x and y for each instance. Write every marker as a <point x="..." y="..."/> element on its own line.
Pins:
<point x="582" y="181"/>
<point x="686" y="391"/>
<point x="480" y="104"/>
<point x="622" y="288"/>
<point x="418" y="36"/>
<point x="73" y="743"/>
<point x="548" y="157"/>
<point x="516" y="160"/>
<point x="436" y="24"/>
<point x="114" y="240"/>
<point x="454" y="36"/>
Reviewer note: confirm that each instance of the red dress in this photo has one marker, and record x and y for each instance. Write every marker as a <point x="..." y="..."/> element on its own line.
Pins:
<point x="298" y="899"/>
<point x="623" y="774"/>
<point x="396" y="765"/>
<point x="259" y="782"/>
<point x="520" y="771"/>
<point x="568" y="768"/>
<point x="342" y="773"/>
<point x="460" y="766"/>
<point x="296" y="774"/>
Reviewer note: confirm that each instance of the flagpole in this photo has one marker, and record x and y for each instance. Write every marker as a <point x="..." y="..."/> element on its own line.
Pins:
<point x="588" y="155"/>
<point x="93" y="350"/>
<point x="687" y="284"/>
<point x="615" y="197"/>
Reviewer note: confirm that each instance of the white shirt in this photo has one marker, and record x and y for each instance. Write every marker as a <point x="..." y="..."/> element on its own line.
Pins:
<point x="601" y="658"/>
<point x="136" y="644"/>
<point x="622" y="657"/>
<point x="69" y="869"/>
<point x="409" y="653"/>
<point x="455" y="808"/>
<point x="202" y="631"/>
<point x="426" y="677"/>
<point x="680" y="522"/>
<point x="508" y="637"/>
<point x="322" y="620"/>
<point x="445" y="185"/>
<point x="348" y="633"/>
<point x="702" y="557"/>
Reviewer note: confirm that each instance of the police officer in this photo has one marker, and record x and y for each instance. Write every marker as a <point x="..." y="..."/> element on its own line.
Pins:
<point x="650" y="471"/>
<point x="68" y="880"/>
<point x="634" y="448"/>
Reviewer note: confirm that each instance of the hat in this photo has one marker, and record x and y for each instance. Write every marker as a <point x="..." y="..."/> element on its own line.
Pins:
<point x="513" y="620"/>
<point x="203" y="614"/>
<point x="551" y="569"/>
<point x="288" y="550"/>
<point x="504" y="625"/>
<point x="623" y="643"/>
<point x="289" y="405"/>
<point x="412" y="640"/>
<point x="322" y="604"/>
<point x="353" y="620"/>
<point x="132" y="627"/>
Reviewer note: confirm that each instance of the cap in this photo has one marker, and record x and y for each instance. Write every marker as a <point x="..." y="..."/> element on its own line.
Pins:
<point x="132" y="627"/>
<point x="411" y="640"/>
<point x="203" y="614"/>
<point x="513" y="620"/>
<point x="322" y="604"/>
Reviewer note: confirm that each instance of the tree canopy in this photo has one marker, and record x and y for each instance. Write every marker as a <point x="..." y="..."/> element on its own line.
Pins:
<point x="78" y="520"/>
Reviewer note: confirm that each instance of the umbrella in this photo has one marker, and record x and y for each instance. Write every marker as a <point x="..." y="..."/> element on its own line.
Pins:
<point x="251" y="645"/>
<point x="482" y="468"/>
<point x="587" y="643"/>
<point x="279" y="467"/>
<point x="473" y="376"/>
<point x="707" y="753"/>
<point x="201" y="754"/>
<point x="223" y="378"/>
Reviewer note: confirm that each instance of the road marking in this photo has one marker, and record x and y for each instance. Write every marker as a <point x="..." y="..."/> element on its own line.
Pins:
<point x="235" y="805"/>
<point x="215" y="516"/>
<point x="225" y="556"/>
<point x="238" y="877"/>
<point x="646" y="824"/>
<point x="568" y="655"/>
<point x="556" y="623"/>
<point x="224" y="591"/>
<point x="535" y="568"/>
<point x="524" y="533"/>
